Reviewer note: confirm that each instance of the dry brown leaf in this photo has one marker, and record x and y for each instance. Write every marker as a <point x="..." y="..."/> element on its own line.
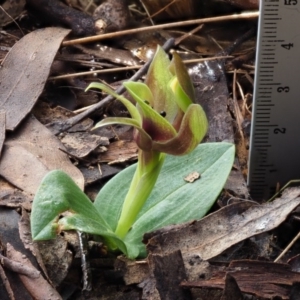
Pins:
<point x="39" y="288"/>
<point x="30" y="153"/>
<point x="25" y="70"/>
<point x="2" y="129"/>
<point x="53" y="256"/>
<point x="119" y="152"/>
<point x="81" y="144"/>
<point x="13" y="197"/>
<point x="226" y="227"/>
<point x="9" y="234"/>
<point x="47" y="114"/>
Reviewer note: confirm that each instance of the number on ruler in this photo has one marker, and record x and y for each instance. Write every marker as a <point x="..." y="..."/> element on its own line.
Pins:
<point x="280" y="130"/>
<point x="287" y="46"/>
<point x="290" y="2"/>
<point x="283" y="89"/>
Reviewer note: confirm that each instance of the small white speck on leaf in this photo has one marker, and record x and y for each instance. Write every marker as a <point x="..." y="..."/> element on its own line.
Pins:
<point x="192" y="177"/>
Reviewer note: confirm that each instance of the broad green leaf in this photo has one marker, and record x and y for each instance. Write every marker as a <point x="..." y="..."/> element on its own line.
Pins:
<point x="173" y="200"/>
<point x="58" y="193"/>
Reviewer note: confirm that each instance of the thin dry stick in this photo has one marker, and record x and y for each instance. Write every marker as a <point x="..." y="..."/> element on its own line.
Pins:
<point x="186" y="35"/>
<point x="239" y="117"/>
<point x="19" y="267"/>
<point x="163" y="9"/>
<point x="6" y="284"/>
<point x="147" y="12"/>
<point x="94" y="72"/>
<point x="13" y="20"/>
<point x="246" y="15"/>
<point x="120" y="69"/>
<point x="288" y="247"/>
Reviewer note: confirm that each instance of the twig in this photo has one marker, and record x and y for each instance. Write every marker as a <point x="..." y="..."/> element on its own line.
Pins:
<point x="19" y="268"/>
<point x="246" y="15"/>
<point x="163" y="9"/>
<point x="122" y="69"/>
<point x="288" y="247"/>
<point x="147" y="12"/>
<point x="186" y="35"/>
<point x="6" y="284"/>
<point x="63" y="126"/>
<point x="13" y="20"/>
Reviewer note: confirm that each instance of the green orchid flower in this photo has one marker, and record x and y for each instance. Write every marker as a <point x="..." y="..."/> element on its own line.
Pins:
<point x="166" y="121"/>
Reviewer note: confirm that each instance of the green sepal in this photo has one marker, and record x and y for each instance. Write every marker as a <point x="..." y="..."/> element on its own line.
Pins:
<point x="131" y="108"/>
<point x="179" y="70"/>
<point x="157" y="79"/>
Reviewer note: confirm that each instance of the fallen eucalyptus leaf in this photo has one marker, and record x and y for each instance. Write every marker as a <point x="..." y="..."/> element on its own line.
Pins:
<point x="30" y="153"/>
<point x="25" y="70"/>
<point x="226" y="227"/>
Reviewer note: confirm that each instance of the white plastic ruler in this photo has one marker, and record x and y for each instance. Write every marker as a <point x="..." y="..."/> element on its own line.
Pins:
<point x="275" y="133"/>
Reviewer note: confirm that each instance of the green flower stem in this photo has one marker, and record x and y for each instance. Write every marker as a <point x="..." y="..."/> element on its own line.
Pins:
<point x="144" y="179"/>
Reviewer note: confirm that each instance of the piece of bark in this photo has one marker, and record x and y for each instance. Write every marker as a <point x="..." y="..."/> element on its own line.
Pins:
<point x="6" y="285"/>
<point x="133" y="271"/>
<point x="19" y="268"/>
<point x="169" y="271"/>
<point x="96" y="173"/>
<point x="114" y="14"/>
<point x="212" y="94"/>
<point x="231" y="289"/>
<point x="295" y="291"/>
<point x="9" y="233"/>
<point x="262" y="279"/>
<point x="57" y="13"/>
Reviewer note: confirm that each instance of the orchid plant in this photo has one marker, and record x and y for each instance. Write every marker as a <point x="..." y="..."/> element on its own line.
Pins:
<point x="167" y="123"/>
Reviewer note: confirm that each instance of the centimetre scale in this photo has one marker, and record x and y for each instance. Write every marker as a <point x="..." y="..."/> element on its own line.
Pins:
<point x="275" y="134"/>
